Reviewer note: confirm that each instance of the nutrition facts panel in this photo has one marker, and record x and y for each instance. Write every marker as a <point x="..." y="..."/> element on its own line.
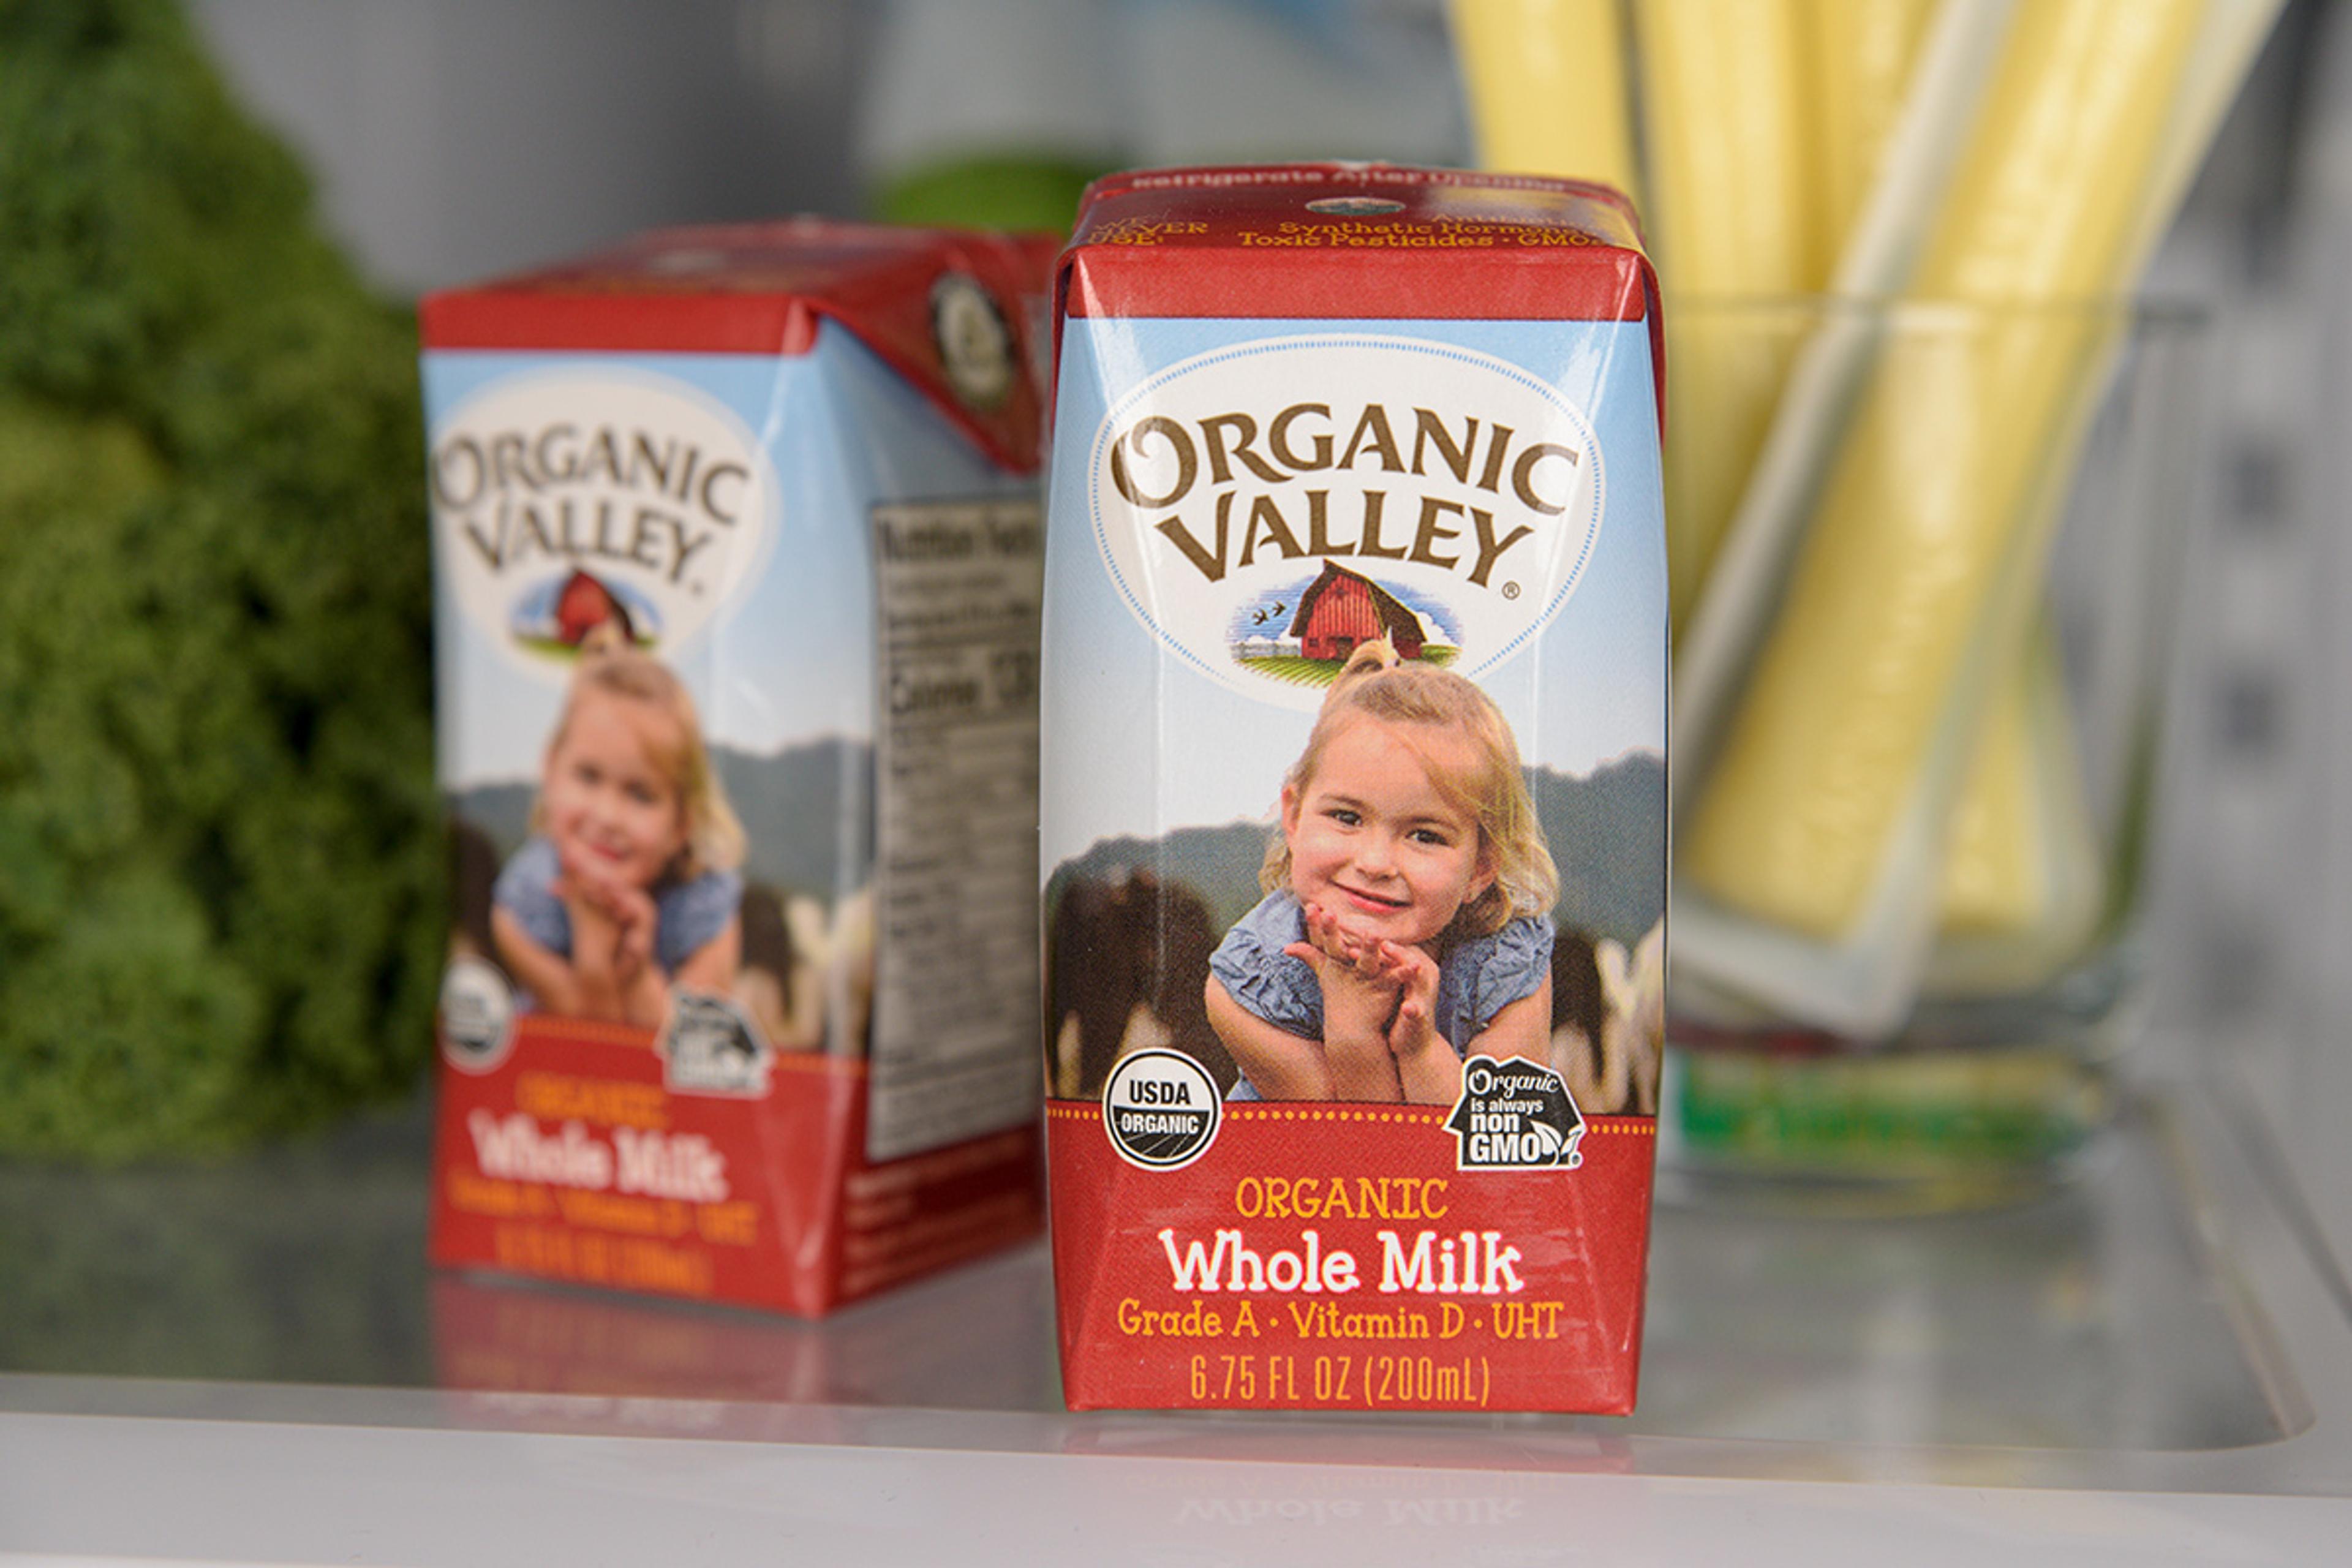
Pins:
<point x="955" y="998"/>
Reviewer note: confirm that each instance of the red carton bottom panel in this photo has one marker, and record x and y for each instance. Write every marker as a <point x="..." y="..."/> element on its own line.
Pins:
<point x="1333" y="1257"/>
<point x="570" y="1159"/>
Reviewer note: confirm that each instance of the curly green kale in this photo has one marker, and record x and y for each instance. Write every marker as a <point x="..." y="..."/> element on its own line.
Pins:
<point x="220" y="869"/>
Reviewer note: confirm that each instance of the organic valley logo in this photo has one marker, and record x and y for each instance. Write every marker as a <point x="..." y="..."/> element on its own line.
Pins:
<point x="1268" y="508"/>
<point x="567" y="501"/>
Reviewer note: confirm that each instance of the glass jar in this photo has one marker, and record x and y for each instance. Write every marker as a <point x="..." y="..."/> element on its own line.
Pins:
<point x="1925" y="557"/>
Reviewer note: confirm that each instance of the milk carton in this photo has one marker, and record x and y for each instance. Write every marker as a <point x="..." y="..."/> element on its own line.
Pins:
<point x="1353" y="791"/>
<point x="737" y="557"/>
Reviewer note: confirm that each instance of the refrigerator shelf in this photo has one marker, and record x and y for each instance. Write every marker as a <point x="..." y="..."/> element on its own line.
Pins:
<point x="250" y="1361"/>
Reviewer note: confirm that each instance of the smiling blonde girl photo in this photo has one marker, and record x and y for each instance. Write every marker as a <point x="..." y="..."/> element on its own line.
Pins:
<point x="1406" y="919"/>
<point x="628" y="886"/>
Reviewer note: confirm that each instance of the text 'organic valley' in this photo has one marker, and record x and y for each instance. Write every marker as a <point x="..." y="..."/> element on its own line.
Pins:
<point x="1159" y="462"/>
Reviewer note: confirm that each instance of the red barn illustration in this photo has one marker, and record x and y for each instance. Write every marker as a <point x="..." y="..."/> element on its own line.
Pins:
<point x="583" y="605"/>
<point x="1340" y="610"/>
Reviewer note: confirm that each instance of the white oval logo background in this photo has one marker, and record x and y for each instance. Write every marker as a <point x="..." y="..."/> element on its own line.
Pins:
<point x="1200" y="618"/>
<point x="674" y="518"/>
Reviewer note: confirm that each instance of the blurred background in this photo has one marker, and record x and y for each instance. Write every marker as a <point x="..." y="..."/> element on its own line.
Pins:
<point x="440" y="159"/>
<point x="453" y="138"/>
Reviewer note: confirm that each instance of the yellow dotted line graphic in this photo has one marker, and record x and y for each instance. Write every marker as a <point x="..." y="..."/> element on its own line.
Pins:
<point x="590" y="1030"/>
<point x="1303" y="1113"/>
<point x="1637" y="1126"/>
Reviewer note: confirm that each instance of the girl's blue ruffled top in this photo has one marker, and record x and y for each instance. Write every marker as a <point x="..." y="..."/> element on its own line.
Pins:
<point x="1476" y="979"/>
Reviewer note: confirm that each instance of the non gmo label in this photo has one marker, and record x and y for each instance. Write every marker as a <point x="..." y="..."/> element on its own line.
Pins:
<point x="1160" y="1109"/>
<point x="1514" y="1115"/>
<point x="711" y="1047"/>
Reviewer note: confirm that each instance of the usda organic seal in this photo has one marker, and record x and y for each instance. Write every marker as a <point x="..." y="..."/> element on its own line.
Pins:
<point x="1160" y="1109"/>
<point x="477" y="1019"/>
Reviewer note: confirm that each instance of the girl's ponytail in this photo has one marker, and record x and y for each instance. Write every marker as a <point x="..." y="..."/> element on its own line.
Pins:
<point x="1370" y="659"/>
<point x="603" y="639"/>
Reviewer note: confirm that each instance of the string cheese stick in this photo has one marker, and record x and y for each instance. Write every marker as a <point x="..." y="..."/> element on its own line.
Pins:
<point x="2022" y="862"/>
<point x="2024" y="881"/>
<point x="1858" y="55"/>
<point x="1994" y="864"/>
<point x="1546" y="81"/>
<point x="1729" y="360"/>
<point x="1730" y="216"/>
<point x="1924" y="501"/>
<point x="1996" y="876"/>
<point x="1717" y="644"/>
<point x="1725" y="132"/>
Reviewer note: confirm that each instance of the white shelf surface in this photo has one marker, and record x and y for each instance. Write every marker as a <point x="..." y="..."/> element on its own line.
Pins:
<point x="250" y="1363"/>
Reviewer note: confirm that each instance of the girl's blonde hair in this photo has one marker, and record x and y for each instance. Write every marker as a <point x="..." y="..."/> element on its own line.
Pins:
<point x="611" y="664"/>
<point x="1376" y="684"/>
